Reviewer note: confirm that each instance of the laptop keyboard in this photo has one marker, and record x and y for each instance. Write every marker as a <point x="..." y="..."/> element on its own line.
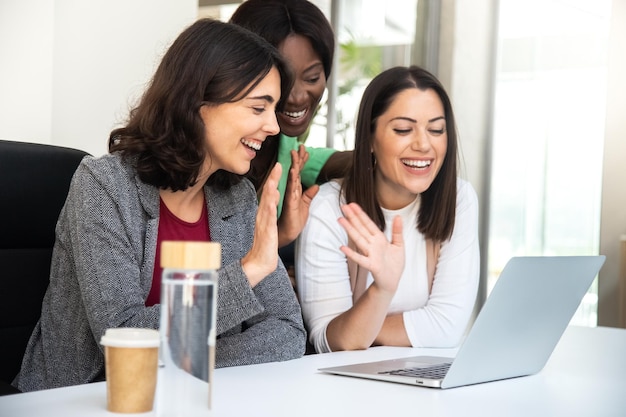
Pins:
<point x="431" y="372"/>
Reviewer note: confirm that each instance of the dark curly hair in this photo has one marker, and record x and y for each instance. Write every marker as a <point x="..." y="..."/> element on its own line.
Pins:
<point x="210" y="62"/>
<point x="275" y="21"/>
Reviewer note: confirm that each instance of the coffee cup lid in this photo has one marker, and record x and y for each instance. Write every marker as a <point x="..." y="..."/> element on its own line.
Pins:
<point x="130" y="337"/>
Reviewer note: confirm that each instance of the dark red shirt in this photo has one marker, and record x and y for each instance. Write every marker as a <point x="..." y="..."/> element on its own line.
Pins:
<point x="173" y="228"/>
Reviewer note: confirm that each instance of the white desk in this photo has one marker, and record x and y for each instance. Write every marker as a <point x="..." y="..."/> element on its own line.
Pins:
<point x="586" y="376"/>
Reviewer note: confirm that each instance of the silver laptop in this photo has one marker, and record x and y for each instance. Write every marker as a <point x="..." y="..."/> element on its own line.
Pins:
<point x="515" y="333"/>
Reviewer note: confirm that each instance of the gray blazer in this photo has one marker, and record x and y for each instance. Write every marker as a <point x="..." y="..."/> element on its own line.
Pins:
<point x="101" y="274"/>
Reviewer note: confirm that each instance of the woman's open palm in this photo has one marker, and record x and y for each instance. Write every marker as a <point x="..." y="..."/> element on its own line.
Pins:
<point x="383" y="258"/>
<point x="262" y="258"/>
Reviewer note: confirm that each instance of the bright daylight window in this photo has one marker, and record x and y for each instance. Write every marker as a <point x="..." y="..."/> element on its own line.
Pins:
<point x="372" y="36"/>
<point x="549" y="121"/>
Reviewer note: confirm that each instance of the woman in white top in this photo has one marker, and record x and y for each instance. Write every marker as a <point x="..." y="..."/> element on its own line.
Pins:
<point x="390" y="256"/>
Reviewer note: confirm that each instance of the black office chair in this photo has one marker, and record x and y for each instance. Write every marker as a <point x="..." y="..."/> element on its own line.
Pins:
<point x="34" y="181"/>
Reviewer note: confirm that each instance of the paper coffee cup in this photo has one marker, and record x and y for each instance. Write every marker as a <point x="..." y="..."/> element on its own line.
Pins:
<point x="131" y="362"/>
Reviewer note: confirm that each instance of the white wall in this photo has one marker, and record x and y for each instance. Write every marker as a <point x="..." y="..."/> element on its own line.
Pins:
<point x="26" y="44"/>
<point x="70" y="70"/>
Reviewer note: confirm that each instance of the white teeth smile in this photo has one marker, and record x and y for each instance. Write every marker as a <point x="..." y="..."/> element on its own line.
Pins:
<point x="295" y="114"/>
<point x="416" y="164"/>
<point x="251" y="144"/>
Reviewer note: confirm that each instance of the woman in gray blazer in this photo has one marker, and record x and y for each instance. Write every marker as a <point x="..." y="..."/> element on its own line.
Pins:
<point x="174" y="171"/>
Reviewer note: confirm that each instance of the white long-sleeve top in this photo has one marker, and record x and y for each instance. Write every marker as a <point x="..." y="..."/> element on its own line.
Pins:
<point x="435" y="320"/>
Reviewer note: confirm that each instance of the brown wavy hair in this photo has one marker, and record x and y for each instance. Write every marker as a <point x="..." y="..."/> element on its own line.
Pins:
<point x="210" y="62"/>
<point x="436" y="215"/>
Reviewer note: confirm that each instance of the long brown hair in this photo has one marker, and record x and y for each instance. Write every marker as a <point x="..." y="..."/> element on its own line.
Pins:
<point x="210" y="62"/>
<point x="438" y="203"/>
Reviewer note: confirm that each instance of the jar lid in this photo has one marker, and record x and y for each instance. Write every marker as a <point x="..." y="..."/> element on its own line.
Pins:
<point x="191" y="255"/>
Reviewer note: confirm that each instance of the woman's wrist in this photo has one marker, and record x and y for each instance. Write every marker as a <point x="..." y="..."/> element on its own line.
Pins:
<point x="382" y="292"/>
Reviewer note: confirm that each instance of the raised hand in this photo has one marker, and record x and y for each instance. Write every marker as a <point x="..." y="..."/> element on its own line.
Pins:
<point x="296" y="203"/>
<point x="383" y="258"/>
<point x="262" y="258"/>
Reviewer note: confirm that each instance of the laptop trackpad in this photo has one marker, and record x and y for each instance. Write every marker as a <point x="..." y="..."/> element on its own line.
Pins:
<point x="421" y="362"/>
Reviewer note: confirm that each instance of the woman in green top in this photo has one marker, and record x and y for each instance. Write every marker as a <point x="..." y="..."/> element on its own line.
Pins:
<point x="303" y="35"/>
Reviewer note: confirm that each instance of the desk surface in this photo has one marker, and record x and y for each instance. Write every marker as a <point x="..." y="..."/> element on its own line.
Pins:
<point x="586" y="376"/>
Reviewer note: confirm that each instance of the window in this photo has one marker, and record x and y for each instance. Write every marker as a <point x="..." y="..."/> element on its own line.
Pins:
<point x="549" y="119"/>
<point x="372" y="36"/>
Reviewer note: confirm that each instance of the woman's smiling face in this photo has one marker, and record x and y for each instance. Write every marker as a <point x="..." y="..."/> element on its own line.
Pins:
<point x="308" y="87"/>
<point x="410" y="143"/>
<point x="235" y="131"/>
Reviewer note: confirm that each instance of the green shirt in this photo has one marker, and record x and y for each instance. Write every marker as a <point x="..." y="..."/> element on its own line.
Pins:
<point x="310" y="172"/>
